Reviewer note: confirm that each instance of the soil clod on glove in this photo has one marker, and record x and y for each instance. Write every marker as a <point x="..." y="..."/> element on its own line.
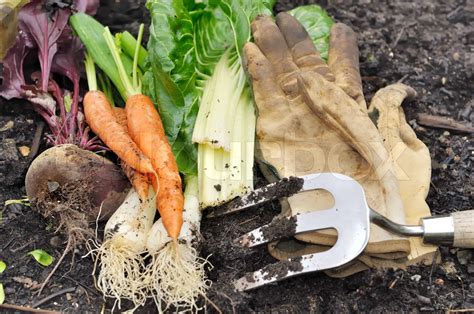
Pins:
<point x="312" y="117"/>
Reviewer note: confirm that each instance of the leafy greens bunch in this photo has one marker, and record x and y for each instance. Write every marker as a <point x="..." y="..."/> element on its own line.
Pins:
<point x="196" y="76"/>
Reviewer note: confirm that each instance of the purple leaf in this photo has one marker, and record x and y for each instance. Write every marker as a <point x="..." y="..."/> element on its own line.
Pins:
<point x="87" y="6"/>
<point x="45" y="36"/>
<point x="67" y="59"/>
<point x="45" y="28"/>
<point x="66" y="63"/>
<point x="13" y="78"/>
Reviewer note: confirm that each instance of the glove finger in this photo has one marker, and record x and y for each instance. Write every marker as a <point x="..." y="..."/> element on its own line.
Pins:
<point x="268" y="94"/>
<point x="344" y="115"/>
<point x="344" y="62"/>
<point x="301" y="46"/>
<point x="271" y="42"/>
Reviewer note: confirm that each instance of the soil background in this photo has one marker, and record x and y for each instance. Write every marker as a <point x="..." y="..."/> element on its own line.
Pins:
<point x="427" y="44"/>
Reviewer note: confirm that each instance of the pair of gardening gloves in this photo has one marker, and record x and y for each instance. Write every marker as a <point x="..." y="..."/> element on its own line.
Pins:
<point x="312" y="117"/>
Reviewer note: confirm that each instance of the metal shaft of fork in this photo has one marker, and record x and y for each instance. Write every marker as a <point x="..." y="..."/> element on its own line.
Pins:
<point x="387" y="224"/>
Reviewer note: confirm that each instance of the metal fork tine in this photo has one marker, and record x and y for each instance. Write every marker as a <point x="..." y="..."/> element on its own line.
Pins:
<point x="347" y="248"/>
<point x="283" y="188"/>
<point x="285" y="227"/>
<point x="349" y="216"/>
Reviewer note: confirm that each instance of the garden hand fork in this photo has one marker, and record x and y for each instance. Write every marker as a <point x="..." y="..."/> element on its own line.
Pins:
<point x="350" y="217"/>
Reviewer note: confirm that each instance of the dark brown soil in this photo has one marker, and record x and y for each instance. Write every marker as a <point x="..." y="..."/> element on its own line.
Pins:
<point x="429" y="44"/>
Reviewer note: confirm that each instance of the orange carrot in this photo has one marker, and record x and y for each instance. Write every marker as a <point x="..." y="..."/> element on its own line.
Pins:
<point x="101" y="118"/>
<point x="121" y="117"/>
<point x="146" y="129"/>
<point x="139" y="180"/>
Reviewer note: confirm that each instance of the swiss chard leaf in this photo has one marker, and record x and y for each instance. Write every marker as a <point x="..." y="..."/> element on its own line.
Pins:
<point x="187" y="39"/>
<point x="170" y="78"/>
<point x="171" y="39"/>
<point x="238" y="21"/>
<point x="161" y="88"/>
<point x="224" y="24"/>
<point x="318" y="25"/>
<point x="211" y="39"/>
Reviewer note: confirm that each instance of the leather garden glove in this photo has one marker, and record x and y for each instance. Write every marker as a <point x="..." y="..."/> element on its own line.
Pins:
<point x="411" y="156"/>
<point x="312" y="118"/>
<point x="412" y="168"/>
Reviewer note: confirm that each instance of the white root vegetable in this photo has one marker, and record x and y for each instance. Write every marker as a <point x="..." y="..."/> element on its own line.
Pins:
<point x="121" y="257"/>
<point x="176" y="275"/>
<point x="158" y="237"/>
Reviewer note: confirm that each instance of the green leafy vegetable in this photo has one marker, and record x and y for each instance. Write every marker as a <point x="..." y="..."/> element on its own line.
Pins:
<point x="318" y="25"/>
<point x="171" y="77"/>
<point x="42" y="257"/>
<point x="3" y="266"/>
<point x="198" y="47"/>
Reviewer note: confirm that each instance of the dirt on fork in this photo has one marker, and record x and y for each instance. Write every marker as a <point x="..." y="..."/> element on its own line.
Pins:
<point x="427" y="44"/>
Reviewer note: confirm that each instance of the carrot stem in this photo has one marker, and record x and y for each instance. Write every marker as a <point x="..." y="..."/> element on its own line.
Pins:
<point x="106" y="88"/>
<point x="129" y="88"/>
<point x="135" y="56"/>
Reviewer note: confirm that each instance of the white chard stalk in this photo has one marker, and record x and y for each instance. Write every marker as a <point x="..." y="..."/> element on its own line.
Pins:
<point x="218" y="104"/>
<point x="225" y="132"/>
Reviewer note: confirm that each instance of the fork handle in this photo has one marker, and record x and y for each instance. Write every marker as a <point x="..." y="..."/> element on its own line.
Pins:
<point x="456" y="230"/>
<point x="464" y="229"/>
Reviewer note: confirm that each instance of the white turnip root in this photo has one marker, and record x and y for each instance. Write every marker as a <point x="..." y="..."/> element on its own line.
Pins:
<point x="121" y="256"/>
<point x="74" y="187"/>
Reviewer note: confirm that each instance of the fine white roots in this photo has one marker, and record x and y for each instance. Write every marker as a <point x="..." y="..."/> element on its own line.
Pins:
<point x="177" y="276"/>
<point x="121" y="257"/>
<point x="121" y="272"/>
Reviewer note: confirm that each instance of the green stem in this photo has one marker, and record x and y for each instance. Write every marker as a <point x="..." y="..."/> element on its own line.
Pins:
<point x="90" y="73"/>
<point x="129" y="88"/>
<point x="135" y="56"/>
<point x="128" y="44"/>
<point x="106" y="88"/>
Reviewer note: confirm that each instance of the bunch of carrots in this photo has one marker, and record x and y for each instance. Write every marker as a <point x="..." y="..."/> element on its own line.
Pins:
<point x="136" y="135"/>
<point x="140" y="258"/>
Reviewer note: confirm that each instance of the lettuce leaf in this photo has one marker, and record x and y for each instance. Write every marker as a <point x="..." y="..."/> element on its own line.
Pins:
<point x="170" y="77"/>
<point x="318" y="25"/>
